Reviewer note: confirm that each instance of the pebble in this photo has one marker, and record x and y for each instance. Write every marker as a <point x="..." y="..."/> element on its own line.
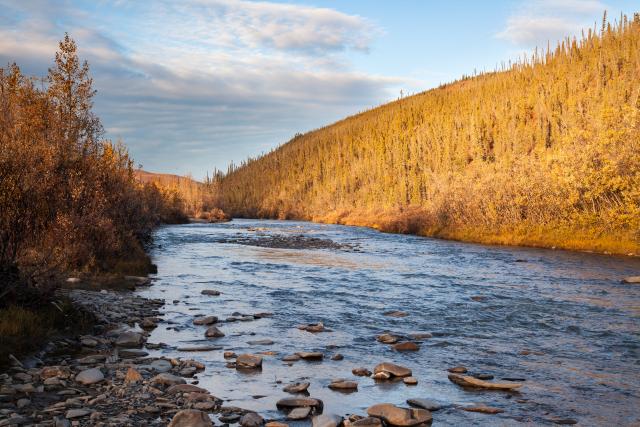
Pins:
<point x="167" y="379"/>
<point x="76" y="413"/>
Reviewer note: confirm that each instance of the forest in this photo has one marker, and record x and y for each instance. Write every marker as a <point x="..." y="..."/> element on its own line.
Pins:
<point x="541" y="152"/>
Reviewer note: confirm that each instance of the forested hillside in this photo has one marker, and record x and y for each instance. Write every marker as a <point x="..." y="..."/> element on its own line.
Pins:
<point x="545" y="152"/>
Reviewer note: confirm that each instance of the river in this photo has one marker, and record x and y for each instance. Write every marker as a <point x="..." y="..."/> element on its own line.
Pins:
<point x="562" y="321"/>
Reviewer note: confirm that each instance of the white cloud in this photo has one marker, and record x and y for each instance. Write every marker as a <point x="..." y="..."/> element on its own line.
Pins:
<point x="193" y="84"/>
<point x="539" y="22"/>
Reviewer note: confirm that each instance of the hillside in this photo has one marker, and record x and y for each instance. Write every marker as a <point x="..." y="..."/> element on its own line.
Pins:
<point x="545" y="152"/>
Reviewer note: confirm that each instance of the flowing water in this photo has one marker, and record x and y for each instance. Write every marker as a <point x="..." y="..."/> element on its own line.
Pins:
<point x="561" y="321"/>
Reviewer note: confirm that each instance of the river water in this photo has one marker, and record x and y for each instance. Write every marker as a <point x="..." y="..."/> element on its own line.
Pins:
<point x="562" y="321"/>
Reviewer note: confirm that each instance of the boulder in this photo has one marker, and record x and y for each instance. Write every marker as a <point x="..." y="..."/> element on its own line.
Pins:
<point x="251" y="419"/>
<point x="130" y="339"/>
<point x="392" y="369"/>
<point x="399" y="417"/>
<point x="90" y="376"/>
<point x="471" y="382"/>
<point x="249" y="361"/>
<point x="190" y="418"/>
<point x="205" y="320"/>
<point x="213" y="332"/>
<point x="326" y="420"/>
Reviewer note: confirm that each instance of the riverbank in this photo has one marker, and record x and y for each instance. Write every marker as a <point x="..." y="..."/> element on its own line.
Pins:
<point x="561" y="236"/>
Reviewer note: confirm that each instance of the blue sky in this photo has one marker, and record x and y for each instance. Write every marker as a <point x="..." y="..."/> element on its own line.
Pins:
<point x="191" y="85"/>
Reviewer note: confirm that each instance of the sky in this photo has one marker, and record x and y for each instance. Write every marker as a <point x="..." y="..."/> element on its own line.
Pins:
<point x="192" y="85"/>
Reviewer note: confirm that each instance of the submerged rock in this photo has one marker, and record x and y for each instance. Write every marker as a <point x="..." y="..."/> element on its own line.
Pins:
<point x="395" y="313"/>
<point x="471" y="382"/>
<point x="342" y="384"/>
<point x="399" y="417"/>
<point x="312" y="327"/>
<point x="211" y="292"/>
<point x="483" y="409"/>
<point x="410" y="380"/>
<point x="367" y="422"/>
<point x="458" y="370"/>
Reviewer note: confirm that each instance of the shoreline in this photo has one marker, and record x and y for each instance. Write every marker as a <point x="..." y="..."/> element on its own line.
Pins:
<point x="104" y="378"/>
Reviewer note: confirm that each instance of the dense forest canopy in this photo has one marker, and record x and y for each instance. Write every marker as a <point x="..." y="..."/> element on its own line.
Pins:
<point x="543" y="152"/>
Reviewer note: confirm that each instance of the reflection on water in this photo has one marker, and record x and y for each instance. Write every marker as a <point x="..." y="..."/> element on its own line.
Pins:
<point x="561" y="320"/>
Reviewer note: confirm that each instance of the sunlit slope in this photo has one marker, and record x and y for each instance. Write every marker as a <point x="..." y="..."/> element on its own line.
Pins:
<point x="546" y="152"/>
